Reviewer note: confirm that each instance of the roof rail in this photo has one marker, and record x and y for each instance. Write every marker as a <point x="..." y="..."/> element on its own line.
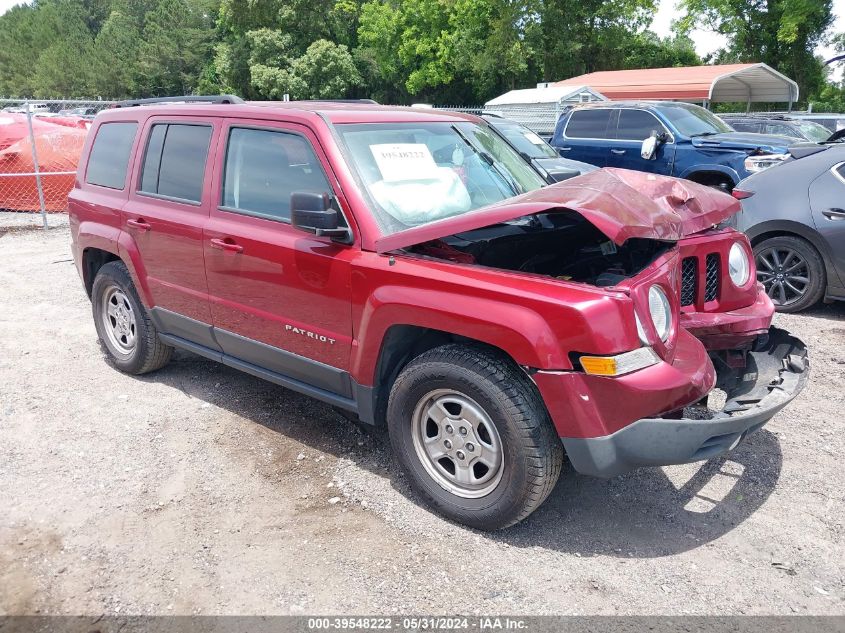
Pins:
<point x="184" y="99"/>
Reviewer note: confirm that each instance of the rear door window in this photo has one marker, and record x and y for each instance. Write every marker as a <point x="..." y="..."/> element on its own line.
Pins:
<point x="110" y="153"/>
<point x="264" y="167"/>
<point x="588" y="123"/>
<point x="637" y="125"/>
<point x="174" y="161"/>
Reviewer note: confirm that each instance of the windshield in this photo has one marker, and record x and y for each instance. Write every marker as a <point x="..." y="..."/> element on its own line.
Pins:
<point x="524" y="140"/>
<point x="417" y="173"/>
<point x="813" y="131"/>
<point x="693" y="120"/>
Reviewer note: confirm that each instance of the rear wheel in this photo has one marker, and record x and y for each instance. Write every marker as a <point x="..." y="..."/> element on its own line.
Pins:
<point x="123" y="324"/>
<point x="473" y="436"/>
<point x="792" y="272"/>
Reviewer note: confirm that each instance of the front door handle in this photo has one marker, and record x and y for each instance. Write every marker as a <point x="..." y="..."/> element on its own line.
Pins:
<point x="563" y="149"/>
<point x="834" y="214"/>
<point x="618" y="152"/>
<point x="139" y="224"/>
<point x="223" y="245"/>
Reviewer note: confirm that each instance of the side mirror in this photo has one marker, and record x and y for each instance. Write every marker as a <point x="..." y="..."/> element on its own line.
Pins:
<point x="313" y="213"/>
<point x="648" y="151"/>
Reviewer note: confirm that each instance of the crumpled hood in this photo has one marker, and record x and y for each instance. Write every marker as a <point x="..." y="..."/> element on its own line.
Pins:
<point x="621" y="203"/>
<point x="746" y="141"/>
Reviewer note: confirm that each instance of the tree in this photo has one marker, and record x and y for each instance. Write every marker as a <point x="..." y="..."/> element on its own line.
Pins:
<point x="325" y="71"/>
<point x="648" y="50"/>
<point x="175" y="44"/>
<point x="114" y="54"/>
<point x="780" y="33"/>
<point x="573" y="37"/>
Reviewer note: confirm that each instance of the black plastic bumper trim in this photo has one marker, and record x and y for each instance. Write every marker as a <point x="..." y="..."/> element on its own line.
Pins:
<point x="773" y="377"/>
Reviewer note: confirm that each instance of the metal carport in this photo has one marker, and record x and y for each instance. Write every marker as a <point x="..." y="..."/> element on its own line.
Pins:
<point x="748" y="83"/>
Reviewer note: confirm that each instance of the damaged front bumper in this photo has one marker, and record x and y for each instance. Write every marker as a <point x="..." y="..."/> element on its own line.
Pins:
<point x="733" y="329"/>
<point x="772" y="376"/>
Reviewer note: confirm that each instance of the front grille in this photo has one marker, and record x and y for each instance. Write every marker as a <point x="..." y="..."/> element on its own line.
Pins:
<point x="689" y="280"/>
<point x="711" y="281"/>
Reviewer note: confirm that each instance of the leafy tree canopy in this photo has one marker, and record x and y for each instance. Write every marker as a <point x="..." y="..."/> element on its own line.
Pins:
<point x="396" y="51"/>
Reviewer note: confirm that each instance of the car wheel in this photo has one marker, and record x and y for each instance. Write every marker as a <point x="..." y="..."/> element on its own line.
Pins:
<point x="792" y="271"/>
<point x="473" y="436"/>
<point x="123" y="324"/>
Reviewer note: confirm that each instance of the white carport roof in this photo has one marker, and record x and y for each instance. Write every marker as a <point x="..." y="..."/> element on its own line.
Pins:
<point x="550" y="95"/>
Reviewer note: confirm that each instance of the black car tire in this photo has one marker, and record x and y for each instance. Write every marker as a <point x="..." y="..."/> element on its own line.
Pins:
<point x="815" y="270"/>
<point x="492" y="384"/>
<point x="147" y="353"/>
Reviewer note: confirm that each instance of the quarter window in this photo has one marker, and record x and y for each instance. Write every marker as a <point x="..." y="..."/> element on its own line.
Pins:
<point x="110" y="155"/>
<point x="588" y="123"/>
<point x="174" y="163"/>
<point x="637" y="125"/>
<point x="263" y="168"/>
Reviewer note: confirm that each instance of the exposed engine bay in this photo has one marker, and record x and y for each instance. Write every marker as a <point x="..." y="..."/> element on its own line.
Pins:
<point x="560" y="244"/>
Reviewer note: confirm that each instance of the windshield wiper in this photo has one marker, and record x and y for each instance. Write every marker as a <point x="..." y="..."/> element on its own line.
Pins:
<point x="703" y="134"/>
<point x="503" y="174"/>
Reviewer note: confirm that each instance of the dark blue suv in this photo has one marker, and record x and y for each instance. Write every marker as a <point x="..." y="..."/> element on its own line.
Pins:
<point x="671" y="138"/>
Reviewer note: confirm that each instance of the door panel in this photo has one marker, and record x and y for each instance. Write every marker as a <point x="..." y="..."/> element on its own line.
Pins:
<point x="282" y="299"/>
<point x="827" y="199"/>
<point x="167" y="230"/>
<point x="632" y="128"/>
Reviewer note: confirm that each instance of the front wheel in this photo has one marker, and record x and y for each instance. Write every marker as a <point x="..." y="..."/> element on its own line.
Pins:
<point x="473" y="436"/>
<point x="792" y="271"/>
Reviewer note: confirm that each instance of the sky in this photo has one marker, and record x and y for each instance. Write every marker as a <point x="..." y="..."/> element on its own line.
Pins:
<point x="705" y="41"/>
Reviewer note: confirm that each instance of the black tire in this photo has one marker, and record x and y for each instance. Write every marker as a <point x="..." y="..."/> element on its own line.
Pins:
<point x="148" y="352"/>
<point x="766" y="254"/>
<point x="716" y="181"/>
<point x="531" y="451"/>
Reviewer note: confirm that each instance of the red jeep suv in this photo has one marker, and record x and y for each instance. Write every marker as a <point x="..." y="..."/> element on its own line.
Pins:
<point x="410" y="267"/>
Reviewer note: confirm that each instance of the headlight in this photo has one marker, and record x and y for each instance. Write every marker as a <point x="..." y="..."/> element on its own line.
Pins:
<point x="660" y="312"/>
<point x="764" y="161"/>
<point x="739" y="268"/>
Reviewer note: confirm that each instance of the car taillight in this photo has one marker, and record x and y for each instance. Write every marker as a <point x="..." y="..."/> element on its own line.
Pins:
<point x="739" y="194"/>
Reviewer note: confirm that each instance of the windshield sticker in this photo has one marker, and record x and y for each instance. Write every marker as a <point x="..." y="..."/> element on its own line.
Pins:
<point x="404" y="161"/>
<point x="533" y="138"/>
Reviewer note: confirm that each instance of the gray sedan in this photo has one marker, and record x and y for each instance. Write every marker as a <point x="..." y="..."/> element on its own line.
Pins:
<point x="794" y="215"/>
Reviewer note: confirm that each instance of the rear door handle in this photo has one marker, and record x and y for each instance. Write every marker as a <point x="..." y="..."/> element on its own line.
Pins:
<point x="139" y="224"/>
<point x="563" y="149"/>
<point x="834" y="214"/>
<point x="617" y="151"/>
<point x="223" y="245"/>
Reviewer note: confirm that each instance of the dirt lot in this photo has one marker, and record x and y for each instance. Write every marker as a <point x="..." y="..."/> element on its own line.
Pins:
<point x="202" y="490"/>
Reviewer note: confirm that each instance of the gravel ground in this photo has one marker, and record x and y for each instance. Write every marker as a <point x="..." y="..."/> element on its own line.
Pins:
<point x="198" y="489"/>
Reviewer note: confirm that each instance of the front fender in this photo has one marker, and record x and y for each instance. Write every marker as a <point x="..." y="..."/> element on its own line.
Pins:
<point x="519" y="331"/>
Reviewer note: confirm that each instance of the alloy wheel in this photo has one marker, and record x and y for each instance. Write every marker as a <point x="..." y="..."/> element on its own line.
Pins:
<point x="119" y="320"/>
<point x="784" y="273"/>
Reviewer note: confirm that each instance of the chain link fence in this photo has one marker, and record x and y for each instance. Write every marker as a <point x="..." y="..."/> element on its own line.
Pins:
<point x="540" y="118"/>
<point x="40" y="145"/>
